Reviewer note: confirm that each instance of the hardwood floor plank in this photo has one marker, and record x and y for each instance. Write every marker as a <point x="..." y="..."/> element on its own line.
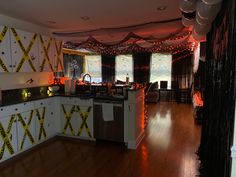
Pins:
<point x="168" y="150"/>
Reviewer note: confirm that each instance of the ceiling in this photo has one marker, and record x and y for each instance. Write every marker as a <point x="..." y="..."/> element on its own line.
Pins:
<point x="64" y="15"/>
<point x="106" y="20"/>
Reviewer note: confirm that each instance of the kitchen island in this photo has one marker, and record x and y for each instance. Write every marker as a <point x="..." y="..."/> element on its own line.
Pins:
<point x="26" y="122"/>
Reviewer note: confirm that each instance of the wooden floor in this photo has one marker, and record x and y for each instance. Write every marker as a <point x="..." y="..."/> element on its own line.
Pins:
<point x="168" y="150"/>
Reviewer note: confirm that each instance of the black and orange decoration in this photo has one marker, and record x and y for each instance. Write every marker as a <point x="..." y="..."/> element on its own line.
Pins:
<point x="6" y="137"/>
<point x="25" y="51"/>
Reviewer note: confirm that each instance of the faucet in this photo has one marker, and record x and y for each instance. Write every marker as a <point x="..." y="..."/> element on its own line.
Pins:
<point x="90" y="78"/>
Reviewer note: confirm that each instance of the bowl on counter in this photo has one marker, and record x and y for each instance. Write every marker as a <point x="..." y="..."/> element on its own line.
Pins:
<point x="53" y="88"/>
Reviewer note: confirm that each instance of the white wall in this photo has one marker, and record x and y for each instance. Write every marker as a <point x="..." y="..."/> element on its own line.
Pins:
<point x="233" y="153"/>
<point x="23" y="25"/>
<point x="19" y="80"/>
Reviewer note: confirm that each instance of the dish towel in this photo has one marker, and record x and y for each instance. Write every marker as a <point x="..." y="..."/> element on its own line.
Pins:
<point x="107" y="111"/>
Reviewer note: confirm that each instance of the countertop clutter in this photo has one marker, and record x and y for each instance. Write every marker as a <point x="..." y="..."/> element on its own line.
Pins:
<point x="15" y="96"/>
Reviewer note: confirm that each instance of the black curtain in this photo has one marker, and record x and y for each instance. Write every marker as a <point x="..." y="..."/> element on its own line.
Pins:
<point x="181" y="70"/>
<point x="141" y="67"/>
<point x="108" y="68"/>
<point x="73" y="65"/>
<point x="218" y="117"/>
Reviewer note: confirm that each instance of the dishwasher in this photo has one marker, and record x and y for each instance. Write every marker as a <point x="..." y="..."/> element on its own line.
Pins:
<point x="112" y="129"/>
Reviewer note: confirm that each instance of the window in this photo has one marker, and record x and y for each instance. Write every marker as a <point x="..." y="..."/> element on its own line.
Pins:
<point x="161" y="68"/>
<point x="124" y="66"/>
<point x="93" y="67"/>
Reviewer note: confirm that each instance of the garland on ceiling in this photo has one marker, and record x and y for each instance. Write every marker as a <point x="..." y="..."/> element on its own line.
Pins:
<point x="133" y="43"/>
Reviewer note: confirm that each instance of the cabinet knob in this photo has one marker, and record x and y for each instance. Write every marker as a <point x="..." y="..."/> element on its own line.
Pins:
<point x="51" y="113"/>
<point x="16" y="109"/>
<point x="41" y="104"/>
<point x="1" y="109"/>
<point x="3" y="53"/>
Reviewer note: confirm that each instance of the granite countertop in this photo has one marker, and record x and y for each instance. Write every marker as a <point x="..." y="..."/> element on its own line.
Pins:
<point x="19" y="99"/>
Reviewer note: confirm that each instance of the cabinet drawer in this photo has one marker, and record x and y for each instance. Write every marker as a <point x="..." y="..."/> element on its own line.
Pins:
<point x="68" y="100"/>
<point x="17" y="108"/>
<point x="84" y="102"/>
<point x="41" y="103"/>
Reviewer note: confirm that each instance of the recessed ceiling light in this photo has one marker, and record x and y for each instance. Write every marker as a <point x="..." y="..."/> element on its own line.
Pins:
<point x="160" y="8"/>
<point x="51" y="22"/>
<point x="85" y="18"/>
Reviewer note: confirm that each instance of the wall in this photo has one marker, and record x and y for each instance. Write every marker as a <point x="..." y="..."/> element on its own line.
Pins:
<point x="233" y="149"/>
<point x="19" y="80"/>
<point x="23" y="25"/>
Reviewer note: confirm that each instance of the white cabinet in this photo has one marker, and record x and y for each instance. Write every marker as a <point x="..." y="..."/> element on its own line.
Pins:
<point x="57" y="55"/>
<point x="44" y="119"/>
<point x="24" y="50"/>
<point x="134" y="118"/>
<point x="8" y="137"/>
<point x="5" y="54"/>
<point x="26" y="129"/>
<point x="46" y="52"/>
<point x="77" y="117"/>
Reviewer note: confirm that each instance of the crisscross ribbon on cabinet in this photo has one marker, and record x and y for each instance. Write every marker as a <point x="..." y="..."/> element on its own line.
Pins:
<point x="26" y="128"/>
<point x="25" y="57"/>
<point x="58" y="46"/>
<point x="5" y="135"/>
<point x="2" y="37"/>
<point x="82" y="114"/>
<point x="46" y="57"/>
<point x="68" y="117"/>
<point x="41" y="119"/>
<point x="84" y="117"/>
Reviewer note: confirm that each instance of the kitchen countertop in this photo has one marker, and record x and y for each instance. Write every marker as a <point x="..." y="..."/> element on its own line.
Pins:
<point x="16" y="100"/>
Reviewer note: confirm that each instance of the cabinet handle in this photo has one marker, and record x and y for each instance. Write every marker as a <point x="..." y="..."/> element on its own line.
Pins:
<point x="129" y="108"/>
<point x="11" y="137"/>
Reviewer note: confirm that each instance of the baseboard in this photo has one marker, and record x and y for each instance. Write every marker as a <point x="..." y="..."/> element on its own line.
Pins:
<point x="134" y="144"/>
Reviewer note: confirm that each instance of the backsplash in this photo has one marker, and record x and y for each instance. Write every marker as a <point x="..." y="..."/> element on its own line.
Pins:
<point x="25" y="80"/>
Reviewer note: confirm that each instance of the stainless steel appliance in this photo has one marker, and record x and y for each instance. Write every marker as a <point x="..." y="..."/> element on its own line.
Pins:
<point x="112" y="130"/>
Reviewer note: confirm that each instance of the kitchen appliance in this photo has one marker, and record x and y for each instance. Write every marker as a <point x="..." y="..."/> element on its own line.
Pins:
<point x="109" y="128"/>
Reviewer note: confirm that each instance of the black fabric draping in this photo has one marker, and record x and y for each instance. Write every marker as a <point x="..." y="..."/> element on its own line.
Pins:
<point x="219" y="105"/>
<point x="108" y="68"/>
<point x="200" y="77"/>
<point x="141" y="67"/>
<point x="73" y="65"/>
<point x="182" y="70"/>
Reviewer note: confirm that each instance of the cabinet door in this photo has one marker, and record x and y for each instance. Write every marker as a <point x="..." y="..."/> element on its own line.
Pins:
<point x="24" y="51"/>
<point x="45" y="53"/>
<point x="84" y="128"/>
<point x="41" y="123"/>
<point x="25" y="129"/>
<point x="5" y="55"/>
<point x="69" y="119"/>
<point x="57" y="55"/>
<point x="8" y="137"/>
